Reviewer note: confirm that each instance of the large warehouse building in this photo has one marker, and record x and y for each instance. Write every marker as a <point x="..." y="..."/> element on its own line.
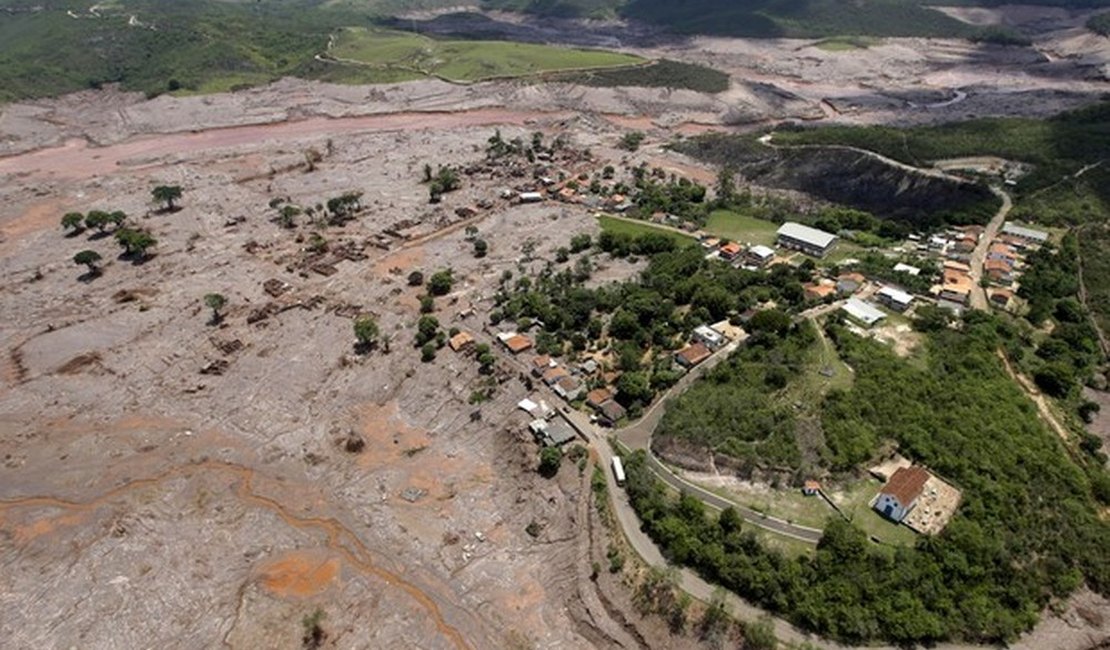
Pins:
<point x="810" y="241"/>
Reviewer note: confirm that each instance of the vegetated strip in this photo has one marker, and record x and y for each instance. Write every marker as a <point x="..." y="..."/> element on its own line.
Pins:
<point x="1028" y="529"/>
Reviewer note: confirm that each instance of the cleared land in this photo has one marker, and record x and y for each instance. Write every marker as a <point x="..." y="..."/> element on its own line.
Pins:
<point x="466" y="60"/>
<point x="741" y="228"/>
<point x="631" y="227"/>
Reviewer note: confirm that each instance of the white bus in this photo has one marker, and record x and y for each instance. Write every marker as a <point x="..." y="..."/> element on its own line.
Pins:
<point x="618" y="470"/>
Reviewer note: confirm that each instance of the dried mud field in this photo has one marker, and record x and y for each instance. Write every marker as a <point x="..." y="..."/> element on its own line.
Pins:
<point x="146" y="502"/>
<point x="173" y="482"/>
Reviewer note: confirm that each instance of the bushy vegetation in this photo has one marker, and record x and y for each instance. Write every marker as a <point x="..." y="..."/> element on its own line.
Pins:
<point x="1065" y="358"/>
<point x="661" y="74"/>
<point x="1001" y="36"/>
<point x="759" y="18"/>
<point x="734" y="410"/>
<point x="1027" y="530"/>
<point x="178" y="45"/>
<point x="900" y="200"/>
<point x="1094" y="242"/>
<point x="1058" y="148"/>
<point x="1099" y="24"/>
<point x="638" y="322"/>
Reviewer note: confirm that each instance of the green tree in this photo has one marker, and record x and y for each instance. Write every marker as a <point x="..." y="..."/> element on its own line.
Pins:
<point x="215" y="302"/>
<point x="97" y="219"/>
<point x="770" y="321"/>
<point x="550" y="459"/>
<point x="314" y="634"/>
<point x="726" y="185"/>
<point x="633" y="388"/>
<point x="428" y="352"/>
<point x="480" y="248"/>
<point x="426" y="329"/>
<point x="287" y="216"/>
<point x="90" y="259"/>
<point x="416" y="279"/>
<point x="167" y="194"/>
<point x="1055" y="378"/>
<point x="366" y="332"/>
<point x="760" y="635"/>
<point x="135" y="242"/>
<point x="441" y="282"/>
<point x="631" y="141"/>
<point x="579" y="243"/>
<point x="72" y="221"/>
<point x="116" y="218"/>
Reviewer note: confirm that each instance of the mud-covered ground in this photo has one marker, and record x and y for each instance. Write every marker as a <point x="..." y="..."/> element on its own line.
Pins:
<point x="144" y="503"/>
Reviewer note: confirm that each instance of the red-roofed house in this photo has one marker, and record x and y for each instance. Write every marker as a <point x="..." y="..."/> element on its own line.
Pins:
<point x="518" y="343"/>
<point x="730" y="250"/>
<point x="692" y="355"/>
<point x="598" y="396"/>
<point x="553" y="375"/>
<point x="899" y="496"/>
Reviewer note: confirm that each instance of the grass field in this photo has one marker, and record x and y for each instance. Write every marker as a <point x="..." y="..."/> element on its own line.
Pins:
<point x="790" y="504"/>
<point x="622" y="226"/>
<point x="661" y="74"/>
<point x="741" y="228"/>
<point x="846" y="43"/>
<point x="466" y="60"/>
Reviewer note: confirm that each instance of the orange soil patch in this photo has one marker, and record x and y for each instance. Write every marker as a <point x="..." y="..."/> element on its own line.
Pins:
<point x="23" y="534"/>
<point x="405" y="259"/>
<point x="630" y="122"/>
<point x="299" y="574"/>
<point x="526" y="600"/>
<point x="388" y="437"/>
<point x="40" y="216"/>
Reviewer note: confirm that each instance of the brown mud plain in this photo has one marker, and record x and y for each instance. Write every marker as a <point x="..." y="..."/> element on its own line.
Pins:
<point x="145" y="503"/>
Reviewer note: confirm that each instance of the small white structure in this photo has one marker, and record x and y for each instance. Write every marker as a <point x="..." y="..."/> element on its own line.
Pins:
<point x="759" y="255"/>
<point x="896" y="299"/>
<point x="709" y="336"/>
<point x="906" y="268"/>
<point x="862" y="312"/>
<point x="618" y="470"/>
<point x="528" y="406"/>
<point x="531" y="197"/>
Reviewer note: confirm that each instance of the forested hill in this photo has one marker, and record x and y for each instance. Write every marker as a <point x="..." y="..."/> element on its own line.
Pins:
<point x="773" y="18"/>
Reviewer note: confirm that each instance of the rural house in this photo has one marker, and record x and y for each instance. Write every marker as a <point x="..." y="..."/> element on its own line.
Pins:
<point x="862" y="312"/>
<point x="759" y="256"/>
<point x="895" y="299"/>
<point x="692" y="355"/>
<point x="899" y="496"/>
<point x="709" y="336"/>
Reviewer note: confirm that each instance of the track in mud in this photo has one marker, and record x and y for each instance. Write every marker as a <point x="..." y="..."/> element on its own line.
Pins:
<point x="339" y="538"/>
<point x="78" y="159"/>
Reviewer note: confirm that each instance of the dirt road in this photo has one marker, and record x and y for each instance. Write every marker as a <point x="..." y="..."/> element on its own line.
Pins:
<point x="979" y="256"/>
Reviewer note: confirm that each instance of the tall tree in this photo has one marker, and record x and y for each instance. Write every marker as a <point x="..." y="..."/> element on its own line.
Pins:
<point x="167" y="194"/>
<point x="89" y="258"/>
<point x="215" y="302"/>
<point x="366" y="332"/>
<point x="72" y="221"/>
